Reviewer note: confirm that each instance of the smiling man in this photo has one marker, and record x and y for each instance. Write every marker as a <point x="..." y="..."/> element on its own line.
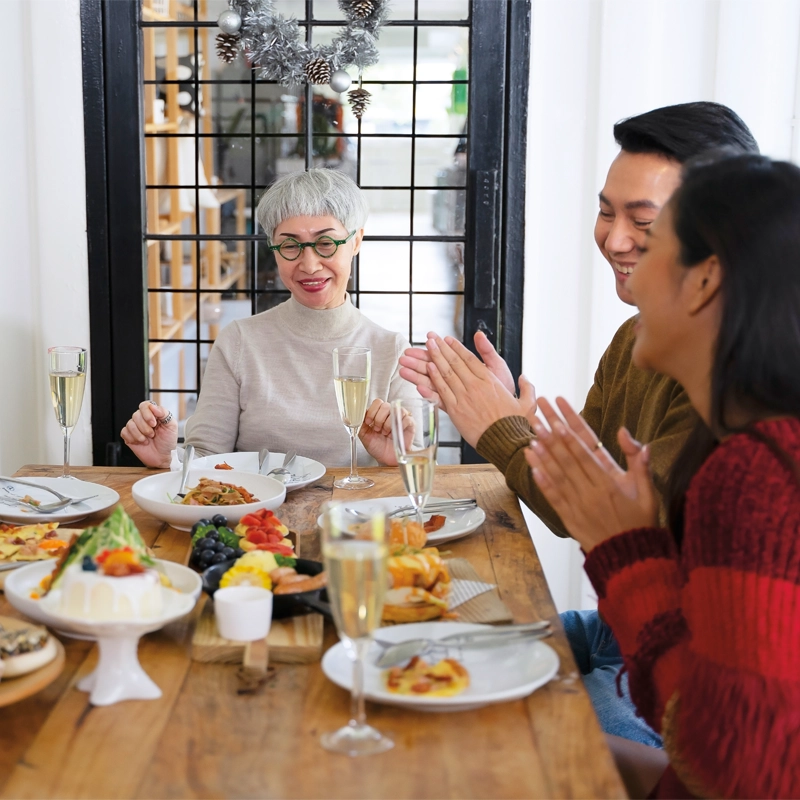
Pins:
<point x="652" y="407"/>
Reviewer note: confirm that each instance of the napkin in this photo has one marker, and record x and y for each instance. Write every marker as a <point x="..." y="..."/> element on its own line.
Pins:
<point x="461" y="591"/>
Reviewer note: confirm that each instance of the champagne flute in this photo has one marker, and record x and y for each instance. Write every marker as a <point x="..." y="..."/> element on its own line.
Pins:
<point x="67" y="382"/>
<point x="415" y="432"/>
<point x="351" y="374"/>
<point x="357" y="571"/>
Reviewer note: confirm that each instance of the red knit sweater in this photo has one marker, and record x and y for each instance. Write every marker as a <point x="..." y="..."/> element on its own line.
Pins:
<point x="710" y="634"/>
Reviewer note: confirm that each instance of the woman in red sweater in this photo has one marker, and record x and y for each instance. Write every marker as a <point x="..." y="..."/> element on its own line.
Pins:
<point x="707" y="613"/>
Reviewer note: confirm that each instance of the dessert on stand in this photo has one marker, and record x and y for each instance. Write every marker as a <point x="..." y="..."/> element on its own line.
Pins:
<point x="107" y="587"/>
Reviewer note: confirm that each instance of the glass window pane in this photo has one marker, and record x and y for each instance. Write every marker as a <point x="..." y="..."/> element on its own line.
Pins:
<point x="396" y="47"/>
<point x="442" y="313"/>
<point x="436" y="163"/>
<point x="385" y="162"/>
<point x="390" y="110"/>
<point x="328" y="9"/>
<point x="438" y="267"/>
<point x="390" y="311"/>
<point x="447" y="431"/>
<point x="444" y="9"/>
<point x="389" y="212"/>
<point x="439" y="211"/>
<point x="384" y="267"/>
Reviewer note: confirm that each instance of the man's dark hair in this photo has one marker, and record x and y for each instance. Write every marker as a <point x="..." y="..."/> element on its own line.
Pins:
<point x="683" y="131"/>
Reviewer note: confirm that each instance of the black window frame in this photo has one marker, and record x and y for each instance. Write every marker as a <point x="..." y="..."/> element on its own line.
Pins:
<point x="494" y="251"/>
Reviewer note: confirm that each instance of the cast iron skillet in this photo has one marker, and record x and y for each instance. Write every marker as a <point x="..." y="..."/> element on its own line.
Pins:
<point x="283" y="605"/>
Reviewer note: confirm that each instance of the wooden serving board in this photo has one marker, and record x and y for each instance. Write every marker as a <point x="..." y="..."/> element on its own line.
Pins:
<point x="14" y="689"/>
<point x="294" y="640"/>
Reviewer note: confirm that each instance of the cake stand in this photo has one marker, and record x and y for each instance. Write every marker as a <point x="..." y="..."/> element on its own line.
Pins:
<point x="118" y="675"/>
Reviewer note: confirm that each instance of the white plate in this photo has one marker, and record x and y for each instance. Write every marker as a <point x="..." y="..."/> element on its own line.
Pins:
<point x="153" y="495"/>
<point x="21" y="583"/>
<point x="497" y="675"/>
<point x="306" y="470"/>
<point x="457" y="525"/>
<point x="67" y="486"/>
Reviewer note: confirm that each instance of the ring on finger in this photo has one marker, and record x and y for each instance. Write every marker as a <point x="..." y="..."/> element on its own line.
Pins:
<point x="598" y="445"/>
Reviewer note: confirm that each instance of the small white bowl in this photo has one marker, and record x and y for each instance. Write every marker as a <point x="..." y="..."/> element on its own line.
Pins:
<point x="153" y="495"/>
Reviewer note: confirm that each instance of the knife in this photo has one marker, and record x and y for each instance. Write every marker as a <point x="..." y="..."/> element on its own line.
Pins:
<point x="400" y="652"/>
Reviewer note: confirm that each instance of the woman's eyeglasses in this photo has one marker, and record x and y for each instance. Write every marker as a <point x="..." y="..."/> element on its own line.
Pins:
<point x="324" y="247"/>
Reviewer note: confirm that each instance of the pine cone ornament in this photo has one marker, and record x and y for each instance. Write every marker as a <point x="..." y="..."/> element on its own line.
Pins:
<point x="228" y="46"/>
<point x="318" y="71"/>
<point x="361" y="9"/>
<point x="359" y="100"/>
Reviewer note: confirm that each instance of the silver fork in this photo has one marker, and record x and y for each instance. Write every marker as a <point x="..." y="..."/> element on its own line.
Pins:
<point x="42" y="487"/>
<point x="45" y="508"/>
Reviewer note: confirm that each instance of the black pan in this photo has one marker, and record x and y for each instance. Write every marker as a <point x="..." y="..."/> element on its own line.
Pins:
<point x="283" y="605"/>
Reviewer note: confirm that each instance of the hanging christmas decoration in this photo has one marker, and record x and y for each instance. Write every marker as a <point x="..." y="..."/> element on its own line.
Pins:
<point x="340" y="81"/>
<point x="318" y="71"/>
<point x="228" y="46"/>
<point x="360" y="9"/>
<point x="277" y="50"/>
<point x="359" y="100"/>
<point x="229" y="21"/>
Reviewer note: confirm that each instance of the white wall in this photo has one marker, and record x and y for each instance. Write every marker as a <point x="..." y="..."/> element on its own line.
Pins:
<point x="43" y="262"/>
<point x="594" y="62"/>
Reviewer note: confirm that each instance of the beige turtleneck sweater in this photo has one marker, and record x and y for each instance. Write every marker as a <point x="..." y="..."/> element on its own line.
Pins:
<point x="269" y="382"/>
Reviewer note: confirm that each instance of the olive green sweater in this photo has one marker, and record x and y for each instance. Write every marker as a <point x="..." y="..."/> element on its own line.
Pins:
<point x="654" y="408"/>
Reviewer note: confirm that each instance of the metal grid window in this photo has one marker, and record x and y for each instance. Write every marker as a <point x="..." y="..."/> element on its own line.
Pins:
<point x="216" y="138"/>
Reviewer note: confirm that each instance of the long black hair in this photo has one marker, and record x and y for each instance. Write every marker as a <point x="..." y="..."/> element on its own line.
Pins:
<point x="745" y="209"/>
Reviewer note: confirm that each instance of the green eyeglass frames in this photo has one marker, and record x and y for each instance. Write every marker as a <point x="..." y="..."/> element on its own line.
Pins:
<point x="324" y="247"/>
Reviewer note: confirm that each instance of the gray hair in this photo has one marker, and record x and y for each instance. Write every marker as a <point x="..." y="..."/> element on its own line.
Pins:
<point x="315" y="193"/>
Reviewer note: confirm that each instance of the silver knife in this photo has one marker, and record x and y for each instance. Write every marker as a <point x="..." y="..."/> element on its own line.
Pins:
<point x="403" y="651"/>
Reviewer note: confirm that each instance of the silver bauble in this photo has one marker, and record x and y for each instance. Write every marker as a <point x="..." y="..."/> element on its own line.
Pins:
<point x="340" y="81"/>
<point x="229" y="21"/>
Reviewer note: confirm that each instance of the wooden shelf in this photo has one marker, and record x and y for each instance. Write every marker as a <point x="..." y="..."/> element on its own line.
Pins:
<point x="161" y="127"/>
<point x="165" y="49"/>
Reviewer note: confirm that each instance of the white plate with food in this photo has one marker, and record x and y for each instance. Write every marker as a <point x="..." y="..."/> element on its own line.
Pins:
<point x="304" y="470"/>
<point x="104" y="498"/>
<point x="208" y="492"/>
<point x="457" y="524"/>
<point x="40" y="541"/>
<point x="493" y="675"/>
<point x="23" y="583"/>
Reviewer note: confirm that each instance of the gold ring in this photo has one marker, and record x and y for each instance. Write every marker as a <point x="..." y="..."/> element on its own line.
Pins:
<point x="598" y="445"/>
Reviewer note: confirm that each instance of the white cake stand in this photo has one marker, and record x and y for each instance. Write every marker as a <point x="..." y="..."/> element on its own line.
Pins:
<point x="118" y="675"/>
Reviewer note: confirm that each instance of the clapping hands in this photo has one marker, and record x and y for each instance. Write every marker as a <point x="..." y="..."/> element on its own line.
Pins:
<point x="595" y="498"/>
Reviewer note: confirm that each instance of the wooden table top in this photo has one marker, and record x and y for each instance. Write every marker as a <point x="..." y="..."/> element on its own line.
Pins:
<point x="201" y="739"/>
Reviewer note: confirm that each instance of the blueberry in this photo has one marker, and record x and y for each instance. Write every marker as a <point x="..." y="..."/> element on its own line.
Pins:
<point x="212" y="535"/>
<point x="217" y="547"/>
<point x="202" y="522"/>
<point x="228" y="552"/>
<point x="218" y="558"/>
<point x="238" y="552"/>
<point x="204" y="559"/>
<point x="88" y="565"/>
<point x="219" y="521"/>
<point x="204" y="544"/>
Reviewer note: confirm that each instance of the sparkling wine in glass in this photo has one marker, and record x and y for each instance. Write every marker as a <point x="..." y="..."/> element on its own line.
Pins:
<point x="351" y="374"/>
<point x="356" y="565"/>
<point x="415" y="432"/>
<point x="67" y="384"/>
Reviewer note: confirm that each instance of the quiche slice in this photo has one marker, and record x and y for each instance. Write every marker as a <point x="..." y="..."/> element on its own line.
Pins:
<point x="420" y="679"/>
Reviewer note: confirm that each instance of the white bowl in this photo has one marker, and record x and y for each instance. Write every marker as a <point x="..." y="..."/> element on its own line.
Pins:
<point x="153" y="495"/>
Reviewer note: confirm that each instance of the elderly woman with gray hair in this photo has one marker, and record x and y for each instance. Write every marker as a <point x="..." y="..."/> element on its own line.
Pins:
<point x="269" y="378"/>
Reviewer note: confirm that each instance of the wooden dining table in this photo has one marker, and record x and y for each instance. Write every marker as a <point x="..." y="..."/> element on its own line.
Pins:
<point x="203" y="739"/>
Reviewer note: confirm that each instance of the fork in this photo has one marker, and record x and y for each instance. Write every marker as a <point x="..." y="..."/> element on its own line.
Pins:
<point x="45" y="508"/>
<point x="41" y="486"/>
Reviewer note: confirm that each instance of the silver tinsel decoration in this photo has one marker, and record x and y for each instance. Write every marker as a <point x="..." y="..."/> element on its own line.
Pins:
<point x="278" y="52"/>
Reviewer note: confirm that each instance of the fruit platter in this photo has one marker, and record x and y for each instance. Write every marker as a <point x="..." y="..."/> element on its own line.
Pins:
<point x="258" y="552"/>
